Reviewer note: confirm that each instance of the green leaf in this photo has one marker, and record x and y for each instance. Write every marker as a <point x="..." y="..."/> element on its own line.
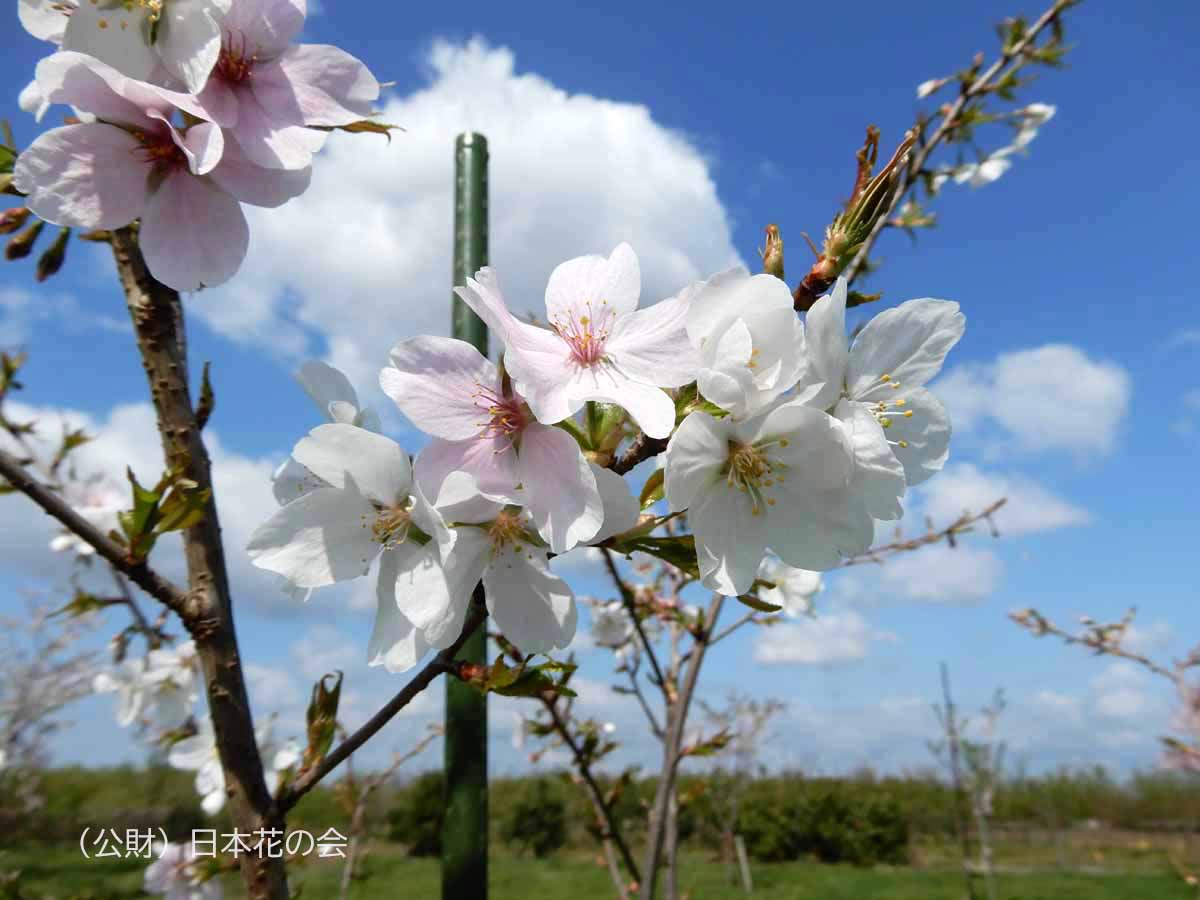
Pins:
<point x="654" y="488"/>
<point x="755" y="602"/>
<point x="321" y="717"/>
<point x="8" y="157"/>
<point x="524" y="680"/>
<point x="679" y="551"/>
<point x="710" y="747"/>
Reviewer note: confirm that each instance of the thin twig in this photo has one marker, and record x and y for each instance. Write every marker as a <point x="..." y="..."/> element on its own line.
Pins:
<point x="961" y="525"/>
<point x="627" y="599"/>
<point x="442" y="663"/>
<point x="54" y="505"/>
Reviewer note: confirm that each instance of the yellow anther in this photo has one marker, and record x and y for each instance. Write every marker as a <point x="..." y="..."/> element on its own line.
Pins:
<point x="783" y="442"/>
<point x="885" y="422"/>
<point x="895" y="385"/>
<point x="770" y="501"/>
<point x="908" y="414"/>
<point x="903" y="445"/>
<point x="885" y="377"/>
<point x="899" y="402"/>
<point x="755" y="511"/>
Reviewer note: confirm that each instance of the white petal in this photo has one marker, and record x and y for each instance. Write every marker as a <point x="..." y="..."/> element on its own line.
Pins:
<point x="909" y="343"/>
<point x="395" y="643"/>
<point x="291" y="481"/>
<point x="828" y="351"/>
<point x="621" y="508"/>
<point x="32" y="101"/>
<point x="695" y="455"/>
<point x="326" y="385"/>
<point x="878" y="477"/>
<point x="815" y="530"/>
<point x="560" y="490"/>
<point x="193" y="234"/>
<point x="650" y="407"/>
<point x="377" y="464"/>
<point x="586" y="284"/>
<point x="651" y="345"/>
<point x="254" y="184"/>
<point x="491" y="463"/>
<point x="114" y="35"/>
<point x="45" y="20"/>
<point x="414" y="582"/>
<point x="533" y="608"/>
<point x="715" y="303"/>
<point x="817" y="449"/>
<point x="927" y="434"/>
<point x="189" y="41"/>
<point x="322" y="538"/>
<point x="443" y="386"/>
<point x="464" y="559"/>
<point x="730" y="538"/>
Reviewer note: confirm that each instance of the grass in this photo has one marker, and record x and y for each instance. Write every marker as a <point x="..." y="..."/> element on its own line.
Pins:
<point x="65" y="874"/>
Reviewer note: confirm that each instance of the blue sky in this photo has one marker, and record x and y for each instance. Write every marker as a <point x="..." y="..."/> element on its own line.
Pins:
<point x="685" y="131"/>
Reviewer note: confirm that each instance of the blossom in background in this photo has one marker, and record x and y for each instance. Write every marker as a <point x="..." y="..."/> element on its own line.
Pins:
<point x="877" y="388"/>
<point x="794" y="588"/>
<point x="599" y="345"/>
<point x="98" y="504"/>
<point x="1032" y="118"/>
<point x="449" y="390"/>
<point x="781" y="479"/>
<point x="611" y="626"/>
<point x="174" y="874"/>
<point x="266" y="91"/>
<point x="198" y="753"/>
<point x="369" y="508"/>
<point x="986" y="170"/>
<point x="159" y="689"/>
<point x="184" y="185"/>
<point x="748" y="337"/>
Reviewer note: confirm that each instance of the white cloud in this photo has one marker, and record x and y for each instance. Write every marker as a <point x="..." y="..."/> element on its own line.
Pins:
<point x="20" y="310"/>
<point x="363" y="258"/>
<point x="944" y="574"/>
<point x="829" y="639"/>
<point x="1047" y="398"/>
<point x="1030" y="507"/>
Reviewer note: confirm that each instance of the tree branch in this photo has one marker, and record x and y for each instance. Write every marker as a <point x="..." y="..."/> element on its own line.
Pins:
<point x="627" y="599"/>
<point x="443" y="662"/>
<point x="158" y="587"/>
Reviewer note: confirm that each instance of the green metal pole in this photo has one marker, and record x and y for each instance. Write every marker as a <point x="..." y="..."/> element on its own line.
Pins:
<point x="465" y="829"/>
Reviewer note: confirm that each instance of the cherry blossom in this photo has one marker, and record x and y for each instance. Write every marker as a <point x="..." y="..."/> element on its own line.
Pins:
<point x="781" y="479"/>
<point x="599" y="345"/>
<point x="794" y="589"/>
<point x="369" y="508"/>
<point x="1032" y="118"/>
<point x="98" y="504"/>
<point x="881" y="378"/>
<point x="198" y="753"/>
<point x="266" y="91"/>
<point x="498" y="544"/>
<point x="184" y="185"/>
<point x="749" y="339"/>
<point x="159" y="688"/>
<point x="174" y="874"/>
<point x="449" y="390"/>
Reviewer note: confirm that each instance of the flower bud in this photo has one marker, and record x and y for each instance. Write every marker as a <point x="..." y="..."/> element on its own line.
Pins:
<point x="52" y="260"/>
<point x="22" y="245"/>
<point x="12" y="219"/>
<point x="772" y="254"/>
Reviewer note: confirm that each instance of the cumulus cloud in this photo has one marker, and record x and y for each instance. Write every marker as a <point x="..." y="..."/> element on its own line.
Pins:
<point x="830" y="639"/>
<point x="363" y="258"/>
<point x="1030" y="508"/>
<point x="21" y="310"/>
<point x="1049" y="398"/>
<point x="943" y="574"/>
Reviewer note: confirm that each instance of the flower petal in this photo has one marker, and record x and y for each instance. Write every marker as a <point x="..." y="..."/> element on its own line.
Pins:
<point x="395" y="643"/>
<point x="330" y="86"/>
<point x="585" y="285"/>
<point x="878" y="477"/>
<point x="326" y="385"/>
<point x="256" y="185"/>
<point x="269" y="26"/>
<point x="271" y="131"/>
<point x="697" y="451"/>
<point x="651" y="345"/>
<point x="322" y="538"/>
<point x="193" y="234"/>
<point x="811" y="443"/>
<point x="343" y="453"/>
<point x="559" y="488"/>
<point x="84" y="176"/>
<point x="828" y="352"/>
<point x="815" y="530"/>
<point x="113" y="34"/>
<point x="45" y="20"/>
<point x="464" y="559"/>
<point x="291" y="481"/>
<point x="491" y="462"/>
<point x="189" y="40"/>
<point x="927" y="434"/>
<point x="621" y="508"/>
<point x="533" y="608"/>
<point x="909" y="343"/>
<point x="731" y="539"/>
<point x="413" y="581"/>
<point x="442" y="385"/>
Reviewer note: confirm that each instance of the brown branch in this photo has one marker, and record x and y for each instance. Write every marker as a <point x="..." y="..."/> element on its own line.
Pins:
<point x="950" y="533"/>
<point x="672" y="751"/>
<point x="949" y="123"/>
<point x="627" y="599"/>
<point x="443" y="662"/>
<point x="139" y="573"/>
<point x="642" y="449"/>
<point x="157" y="314"/>
<point x="604" y="815"/>
<point x="1105" y="640"/>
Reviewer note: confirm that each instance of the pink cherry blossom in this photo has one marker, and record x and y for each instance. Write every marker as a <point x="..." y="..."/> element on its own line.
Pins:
<point x="133" y="162"/>
<point x="266" y="91"/>
<point x="449" y="390"/>
<point x="599" y="346"/>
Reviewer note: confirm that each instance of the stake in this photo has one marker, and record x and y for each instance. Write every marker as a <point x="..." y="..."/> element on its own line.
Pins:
<point x="465" y="828"/>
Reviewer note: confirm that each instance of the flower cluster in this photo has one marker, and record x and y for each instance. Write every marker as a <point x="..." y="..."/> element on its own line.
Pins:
<point x="777" y="437"/>
<point x="184" y="111"/>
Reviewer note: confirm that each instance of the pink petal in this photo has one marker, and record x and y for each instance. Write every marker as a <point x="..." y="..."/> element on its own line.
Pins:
<point x="491" y="462"/>
<point x="436" y="382"/>
<point x="202" y="144"/>
<point x="220" y="102"/>
<point x="190" y="41"/>
<point x="331" y="86"/>
<point x="255" y="185"/>
<point x="652" y="408"/>
<point x="559" y="487"/>
<point x="95" y="87"/>
<point x="193" y="234"/>
<point x="579" y="286"/>
<point x="85" y="176"/>
<point x="651" y="345"/>
<point x="273" y="136"/>
<point x="267" y="26"/>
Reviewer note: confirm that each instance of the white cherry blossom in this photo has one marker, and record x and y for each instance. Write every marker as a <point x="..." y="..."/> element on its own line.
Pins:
<point x="198" y="753"/>
<point x="794" y="588"/>
<point x="174" y="874"/>
<point x="599" y="345"/>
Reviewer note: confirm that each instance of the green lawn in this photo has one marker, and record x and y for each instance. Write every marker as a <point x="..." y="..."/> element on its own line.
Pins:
<point x="66" y="875"/>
